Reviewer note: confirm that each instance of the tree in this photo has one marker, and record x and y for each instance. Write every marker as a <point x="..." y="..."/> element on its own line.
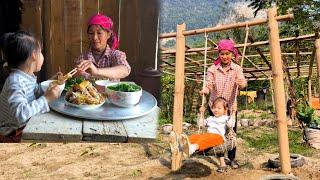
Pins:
<point x="306" y="14"/>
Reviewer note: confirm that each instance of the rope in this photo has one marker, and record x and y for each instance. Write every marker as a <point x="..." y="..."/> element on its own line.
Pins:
<point x="245" y="44"/>
<point x="81" y="27"/>
<point x="98" y="8"/>
<point x="204" y="79"/>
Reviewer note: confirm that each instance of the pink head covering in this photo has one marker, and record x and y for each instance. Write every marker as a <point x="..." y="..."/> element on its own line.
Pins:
<point x="227" y="44"/>
<point x="106" y="23"/>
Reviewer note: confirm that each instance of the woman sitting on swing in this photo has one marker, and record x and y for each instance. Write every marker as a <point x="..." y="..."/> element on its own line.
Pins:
<point x="215" y="135"/>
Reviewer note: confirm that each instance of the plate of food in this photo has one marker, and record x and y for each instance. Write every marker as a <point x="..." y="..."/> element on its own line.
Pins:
<point x="84" y="96"/>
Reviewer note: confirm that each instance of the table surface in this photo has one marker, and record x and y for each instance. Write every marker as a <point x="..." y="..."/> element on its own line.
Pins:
<point x="107" y="111"/>
<point x="56" y="127"/>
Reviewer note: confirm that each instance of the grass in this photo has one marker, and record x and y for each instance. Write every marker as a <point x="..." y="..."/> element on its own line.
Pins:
<point x="162" y="121"/>
<point x="262" y="140"/>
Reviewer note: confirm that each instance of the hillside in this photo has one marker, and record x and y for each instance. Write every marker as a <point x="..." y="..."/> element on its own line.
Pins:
<point x="202" y="13"/>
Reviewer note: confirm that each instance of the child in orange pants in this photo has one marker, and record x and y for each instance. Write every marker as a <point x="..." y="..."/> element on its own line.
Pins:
<point x="216" y="132"/>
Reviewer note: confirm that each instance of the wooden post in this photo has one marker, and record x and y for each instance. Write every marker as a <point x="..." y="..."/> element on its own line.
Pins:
<point x="310" y="74"/>
<point x="279" y="94"/>
<point x="317" y="44"/>
<point x="309" y="92"/>
<point x="178" y="92"/>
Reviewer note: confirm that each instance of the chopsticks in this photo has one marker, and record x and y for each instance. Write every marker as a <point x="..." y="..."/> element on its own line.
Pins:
<point x="70" y="74"/>
<point x="67" y="76"/>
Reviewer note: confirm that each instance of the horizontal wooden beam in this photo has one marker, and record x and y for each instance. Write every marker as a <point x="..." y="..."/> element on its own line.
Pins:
<point x="226" y="27"/>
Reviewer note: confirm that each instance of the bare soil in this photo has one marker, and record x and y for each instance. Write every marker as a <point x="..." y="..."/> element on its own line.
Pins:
<point x="129" y="161"/>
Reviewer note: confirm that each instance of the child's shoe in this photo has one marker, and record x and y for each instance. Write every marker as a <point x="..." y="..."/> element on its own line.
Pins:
<point x="222" y="169"/>
<point x="184" y="145"/>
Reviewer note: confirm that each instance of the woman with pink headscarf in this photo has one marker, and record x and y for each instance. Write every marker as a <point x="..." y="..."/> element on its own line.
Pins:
<point x="224" y="78"/>
<point x="103" y="59"/>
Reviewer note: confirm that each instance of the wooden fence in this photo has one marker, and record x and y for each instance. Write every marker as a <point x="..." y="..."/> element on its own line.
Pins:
<point x="60" y="23"/>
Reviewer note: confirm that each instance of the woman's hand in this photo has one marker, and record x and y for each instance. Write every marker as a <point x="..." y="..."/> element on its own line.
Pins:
<point x="240" y="82"/>
<point x="205" y="91"/>
<point x="87" y="65"/>
<point x="52" y="93"/>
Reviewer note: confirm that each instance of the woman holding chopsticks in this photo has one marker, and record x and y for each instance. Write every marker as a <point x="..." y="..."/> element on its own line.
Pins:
<point x="103" y="59"/>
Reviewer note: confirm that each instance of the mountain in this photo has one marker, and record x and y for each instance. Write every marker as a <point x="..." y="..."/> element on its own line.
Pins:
<point x="202" y="13"/>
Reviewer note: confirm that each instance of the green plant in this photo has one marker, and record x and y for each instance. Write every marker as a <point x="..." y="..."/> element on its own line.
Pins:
<point x="306" y="115"/>
<point x="266" y="140"/>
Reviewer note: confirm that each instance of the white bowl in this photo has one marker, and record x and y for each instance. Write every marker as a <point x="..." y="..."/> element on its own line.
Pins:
<point x="101" y="85"/>
<point x="123" y="99"/>
<point x="45" y="85"/>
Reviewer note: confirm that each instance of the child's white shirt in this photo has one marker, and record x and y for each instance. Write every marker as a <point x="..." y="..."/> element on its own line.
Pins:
<point x="218" y="125"/>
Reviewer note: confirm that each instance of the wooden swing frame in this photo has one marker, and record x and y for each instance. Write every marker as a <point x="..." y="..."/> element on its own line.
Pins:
<point x="277" y="72"/>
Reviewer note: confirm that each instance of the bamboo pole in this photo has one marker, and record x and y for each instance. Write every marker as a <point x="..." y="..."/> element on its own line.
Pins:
<point x="279" y="95"/>
<point x="226" y="27"/>
<point x="309" y="92"/>
<point x="317" y="44"/>
<point x="178" y="92"/>
<point x="310" y="74"/>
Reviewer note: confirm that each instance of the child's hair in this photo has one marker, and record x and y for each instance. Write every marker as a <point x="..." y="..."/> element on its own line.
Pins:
<point x="223" y="101"/>
<point x="18" y="47"/>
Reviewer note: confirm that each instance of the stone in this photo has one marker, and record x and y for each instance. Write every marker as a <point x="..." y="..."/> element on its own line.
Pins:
<point x="167" y="128"/>
<point x="185" y="125"/>
<point x="244" y="122"/>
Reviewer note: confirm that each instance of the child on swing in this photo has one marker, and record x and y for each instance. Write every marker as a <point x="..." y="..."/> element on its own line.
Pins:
<point x="21" y="96"/>
<point x="215" y="135"/>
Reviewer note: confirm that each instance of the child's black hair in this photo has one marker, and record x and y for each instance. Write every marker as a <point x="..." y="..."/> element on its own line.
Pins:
<point x="18" y="47"/>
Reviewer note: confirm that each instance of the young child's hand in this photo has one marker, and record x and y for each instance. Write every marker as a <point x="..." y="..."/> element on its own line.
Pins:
<point x="231" y="122"/>
<point x="201" y="123"/>
<point x="205" y="91"/>
<point x="52" y="93"/>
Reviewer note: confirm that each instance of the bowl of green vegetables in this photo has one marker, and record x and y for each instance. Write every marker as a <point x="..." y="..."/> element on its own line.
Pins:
<point x="124" y="94"/>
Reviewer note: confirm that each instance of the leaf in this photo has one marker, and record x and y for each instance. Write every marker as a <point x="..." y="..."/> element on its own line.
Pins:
<point x="84" y="152"/>
<point x="32" y="144"/>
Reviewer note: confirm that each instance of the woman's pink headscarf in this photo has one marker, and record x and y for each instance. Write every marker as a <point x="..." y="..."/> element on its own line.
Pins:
<point x="227" y="44"/>
<point x="106" y="23"/>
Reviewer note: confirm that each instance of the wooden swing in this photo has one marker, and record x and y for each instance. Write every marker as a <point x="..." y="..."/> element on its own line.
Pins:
<point x="230" y="137"/>
<point x="276" y="64"/>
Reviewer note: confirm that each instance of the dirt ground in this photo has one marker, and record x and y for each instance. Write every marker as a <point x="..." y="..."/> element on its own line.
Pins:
<point x="128" y="161"/>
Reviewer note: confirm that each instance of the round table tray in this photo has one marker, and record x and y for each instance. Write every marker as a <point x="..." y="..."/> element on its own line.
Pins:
<point x="107" y="111"/>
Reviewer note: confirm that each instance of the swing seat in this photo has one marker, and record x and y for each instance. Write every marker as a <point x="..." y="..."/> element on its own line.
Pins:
<point x="221" y="149"/>
<point x="228" y="145"/>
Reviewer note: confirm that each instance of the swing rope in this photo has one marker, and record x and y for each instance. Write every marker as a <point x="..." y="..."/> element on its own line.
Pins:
<point x="200" y="122"/>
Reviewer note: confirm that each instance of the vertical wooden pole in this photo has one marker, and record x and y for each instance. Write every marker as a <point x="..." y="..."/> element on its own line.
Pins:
<point x="178" y="92"/>
<point x="317" y="44"/>
<point x="310" y="74"/>
<point x="279" y="94"/>
<point x="309" y="92"/>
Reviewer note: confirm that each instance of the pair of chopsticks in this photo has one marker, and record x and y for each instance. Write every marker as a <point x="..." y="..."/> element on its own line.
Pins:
<point x="69" y="74"/>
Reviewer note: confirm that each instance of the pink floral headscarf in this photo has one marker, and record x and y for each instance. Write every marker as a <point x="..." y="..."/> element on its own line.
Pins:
<point x="106" y="23"/>
<point x="227" y="44"/>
